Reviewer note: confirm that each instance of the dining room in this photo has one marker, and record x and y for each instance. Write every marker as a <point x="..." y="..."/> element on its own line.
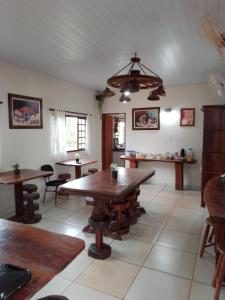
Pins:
<point x="105" y="225"/>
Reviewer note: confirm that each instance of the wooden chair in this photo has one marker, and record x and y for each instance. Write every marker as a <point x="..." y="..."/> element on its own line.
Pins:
<point x="51" y="185"/>
<point x="219" y="230"/>
<point x="121" y="218"/>
<point x="207" y="238"/>
<point x="92" y="170"/>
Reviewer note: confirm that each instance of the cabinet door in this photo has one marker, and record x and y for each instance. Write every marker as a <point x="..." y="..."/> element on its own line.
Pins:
<point x="211" y="162"/>
<point x="211" y="141"/>
<point x="212" y="118"/>
<point x="223" y="119"/>
<point x="222" y="141"/>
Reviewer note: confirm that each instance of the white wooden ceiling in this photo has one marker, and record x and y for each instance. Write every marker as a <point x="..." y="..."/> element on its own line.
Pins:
<point x="87" y="41"/>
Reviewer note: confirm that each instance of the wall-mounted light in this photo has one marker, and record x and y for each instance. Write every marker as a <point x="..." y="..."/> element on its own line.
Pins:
<point x="169" y="116"/>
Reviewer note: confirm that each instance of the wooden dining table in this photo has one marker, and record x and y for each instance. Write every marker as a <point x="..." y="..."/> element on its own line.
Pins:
<point x="77" y="165"/>
<point x="44" y="253"/>
<point x="25" y="175"/>
<point x="105" y="189"/>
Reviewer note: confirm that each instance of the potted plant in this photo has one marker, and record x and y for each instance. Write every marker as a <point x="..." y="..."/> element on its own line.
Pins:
<point x="100" y="101"/>
<point x="16" y="167"/>
<point x="114" y="170"/>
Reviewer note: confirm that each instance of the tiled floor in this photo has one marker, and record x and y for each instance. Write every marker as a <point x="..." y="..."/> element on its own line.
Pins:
<point x="157" y="260"/>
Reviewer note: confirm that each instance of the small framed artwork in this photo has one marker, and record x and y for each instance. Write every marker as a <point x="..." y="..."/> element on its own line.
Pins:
<point x="187" y="117"/>
<point x="25" y="112"/>
<point x="146" y="118"/>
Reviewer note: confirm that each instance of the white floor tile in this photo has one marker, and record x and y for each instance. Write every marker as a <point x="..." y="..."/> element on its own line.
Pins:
<point x="57" y="214"/>
<point x="163" y="199"/>
<point x="154" y="285"/>
<point x="79" y="292"/>
<point x="187" y="213"/>
<point x="144" y="233"/>
<point x="160" y="208"/>
<point x="179" y="240"/>
<point x="110" y="276"/>
<point x="171" y="261"/>
<point x="132" y="251"/>
<point x="152" y="218"/>
<point x="187" y="225"/>
<point x="204" y="269"/>
<point x="77" y="266"/>
<point x="80" y="217"/>
<point x="55" y="287"/>
<point x="201" y="291"/>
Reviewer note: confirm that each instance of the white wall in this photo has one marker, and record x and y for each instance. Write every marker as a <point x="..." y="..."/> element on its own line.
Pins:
<point x="170" y="138"/>
<point x="31" y="147"/>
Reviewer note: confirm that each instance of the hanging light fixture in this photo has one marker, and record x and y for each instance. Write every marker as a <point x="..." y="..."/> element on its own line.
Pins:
<point x="124" y="98"/>
<point x="107" y="93"/>
<point x="134" y="81"/>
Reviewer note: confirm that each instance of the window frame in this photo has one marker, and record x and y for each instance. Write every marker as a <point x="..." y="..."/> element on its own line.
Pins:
<point x="78" y="118"/>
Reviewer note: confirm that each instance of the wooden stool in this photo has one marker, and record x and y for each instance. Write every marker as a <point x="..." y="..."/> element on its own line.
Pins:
<point x="205" y="238"/>
<point x="30" y="217"/>
<point x="121" y="219"/>
<point x="92" y="170"/>
<point x="29" y="188"/>
<point x="64" y="176"/>
<point x="53" y="297"/>
<point x="99" y="250"/>
<point x="219" y="275"/>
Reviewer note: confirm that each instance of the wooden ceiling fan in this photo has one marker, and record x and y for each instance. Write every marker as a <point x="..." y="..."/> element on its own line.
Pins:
<point x="213" y="35"/>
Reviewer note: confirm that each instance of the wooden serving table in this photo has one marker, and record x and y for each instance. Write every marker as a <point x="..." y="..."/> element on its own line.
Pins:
<point x="77" y="166"/>
<point x="178" y="164"/>
<point x="25" y="175"/>
<point x="43" y="252"/>
<point x="105" y="189"/>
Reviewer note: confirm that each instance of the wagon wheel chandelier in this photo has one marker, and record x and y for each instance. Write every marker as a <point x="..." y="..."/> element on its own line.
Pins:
<point x="134" y="81"/>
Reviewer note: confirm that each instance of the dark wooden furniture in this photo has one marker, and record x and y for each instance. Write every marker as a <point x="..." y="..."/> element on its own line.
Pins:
<point x="39" y="250"/>
<point x="207" y="238"/>
<point x="178" y="164"/>
<point x="30" y="207"/>
<point x="105" y="189"/>
<point x="77" y="166"/>
<point x="214" y="198"/>
<point x="213" y="156"/>
<point x="25" y="175"/>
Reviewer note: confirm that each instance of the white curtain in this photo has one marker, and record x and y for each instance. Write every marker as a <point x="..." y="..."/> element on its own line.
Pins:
<point x="88" y="135"/>
<point x="58" y="135"/>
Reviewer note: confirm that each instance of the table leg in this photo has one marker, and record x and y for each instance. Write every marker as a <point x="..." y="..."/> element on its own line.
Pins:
<point x="100" y="220"/>
<point x="19" y="200"/>
<point x="77" y="172"/>
<point x="179" y="175"/>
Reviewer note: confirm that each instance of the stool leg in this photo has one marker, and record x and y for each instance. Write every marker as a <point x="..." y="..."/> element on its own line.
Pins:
<point x="204" y="240"/>
<point x="44" y="197"/>
<point x="220" y="279"/>
<point x="211" y="236"/>
<point x="217" y="270"/>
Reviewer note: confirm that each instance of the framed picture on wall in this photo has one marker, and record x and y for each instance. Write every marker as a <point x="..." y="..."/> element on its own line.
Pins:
<point x="25" y="112"/>
<point x="187" y="117"/>
<point x="145" y="118"/>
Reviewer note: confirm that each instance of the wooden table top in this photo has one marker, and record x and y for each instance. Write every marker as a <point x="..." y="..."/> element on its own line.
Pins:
<point x="25" y="174"/>
<point x="214" y="197"/>
<point x="72" y="162"/>
<point x="160" y="160"/>
<point x="43" y="252"/>
<point x="102" y="185"/>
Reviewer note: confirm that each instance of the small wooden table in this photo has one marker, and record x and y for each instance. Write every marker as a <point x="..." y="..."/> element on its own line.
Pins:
<point x="43" y="252"/>
<point x="178" y="164"/>
<point x="77" y="166"/>
<point x="104" y="189"/>
<point x="25" y="175"/>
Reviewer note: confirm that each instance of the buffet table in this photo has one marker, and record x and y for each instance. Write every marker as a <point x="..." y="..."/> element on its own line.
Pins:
<point x="178" y="164"/>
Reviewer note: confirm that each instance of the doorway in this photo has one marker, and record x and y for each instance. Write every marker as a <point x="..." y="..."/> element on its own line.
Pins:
<point x="113" y="139"/>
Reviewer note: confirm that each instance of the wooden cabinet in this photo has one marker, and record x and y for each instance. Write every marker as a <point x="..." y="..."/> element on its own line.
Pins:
<point x="213" y="156"/>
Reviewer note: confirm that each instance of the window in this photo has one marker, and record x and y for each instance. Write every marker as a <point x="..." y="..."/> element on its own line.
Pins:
<point x="75" y="133"/>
